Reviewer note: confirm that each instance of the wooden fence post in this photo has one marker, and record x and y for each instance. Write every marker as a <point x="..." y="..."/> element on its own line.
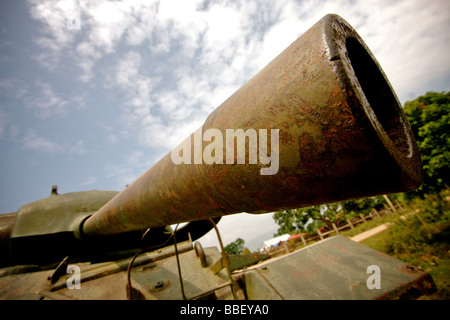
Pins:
<point x="303" y="240"/>
<point x="376" y="212"/>
<point x="362" y="217"/>
<point x="320" y="234"/>
<point x="285" y="246"/>
<point x="335" y="228"/>
<point x="350" y="223"/>
<point x="387" y="209"/>
<point x="400" y="206"/>
<point x="390" y="203"/>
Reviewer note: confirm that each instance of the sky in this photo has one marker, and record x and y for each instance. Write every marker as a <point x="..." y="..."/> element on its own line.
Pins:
<point x="93" y="93"/>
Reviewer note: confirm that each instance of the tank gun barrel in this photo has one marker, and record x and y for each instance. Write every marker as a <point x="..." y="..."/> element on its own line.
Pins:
<point x="319" y="124"/>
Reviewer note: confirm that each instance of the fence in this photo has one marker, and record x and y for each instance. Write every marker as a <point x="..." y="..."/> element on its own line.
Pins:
<point x="335" y="229"/>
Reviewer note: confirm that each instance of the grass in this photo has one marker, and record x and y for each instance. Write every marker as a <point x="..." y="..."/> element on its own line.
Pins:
<point x="369" y="225"/>
<point x="379" y="241"/>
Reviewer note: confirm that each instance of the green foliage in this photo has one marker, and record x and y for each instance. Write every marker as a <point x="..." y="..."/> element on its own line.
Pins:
<point x="429" y="116"/>
<point x="422" y="240"/>
<point x="289" y="221"/>
<point x="295" y="220"/>
<point x="364" y="206"/>
<point x="235" y="247"/>
<point x="312" y="218"/>
<point x="304" y="219"/>
<point x="416" y="233"/>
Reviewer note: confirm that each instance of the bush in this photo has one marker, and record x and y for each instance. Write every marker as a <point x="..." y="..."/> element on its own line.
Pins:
<point x="428" y="225"/>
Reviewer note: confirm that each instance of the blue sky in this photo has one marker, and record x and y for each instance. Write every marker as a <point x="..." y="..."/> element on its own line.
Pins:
<point x="93" y="93"/>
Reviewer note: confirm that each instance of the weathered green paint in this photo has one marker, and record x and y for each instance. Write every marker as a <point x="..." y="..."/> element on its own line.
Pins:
<point x="44" y="231"/>
<point x="335" y="269"/>
<point x="58" y="212"/>
<point x="239" y="261"/>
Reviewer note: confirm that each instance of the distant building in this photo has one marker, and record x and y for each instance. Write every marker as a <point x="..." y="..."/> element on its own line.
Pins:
<point x="274" y="242"/>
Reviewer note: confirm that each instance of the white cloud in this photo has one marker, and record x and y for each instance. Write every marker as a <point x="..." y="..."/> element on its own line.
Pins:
<point x="164" y="26"/>
<point x="182" y="59"/>
<point x="112" y="138"/>
<point x="56" y="35"/>
<point x="88" y="55"/>
<point x="13" y="88"/>
<point x="77" y="148"/>
<point x="39" y="97"/>
<point x="107" y="21"/>
<point x="230" y="36"/>
<point x="88" y="182"/>
<point x="47" y="103"/>
<point x="33" y="141"/>
<point x="412" y="45"/>
<point x="134" y="164"/>
<point x="228" y="50"/>
<point x="219" y="40"/>
<point x="128" y="69"/>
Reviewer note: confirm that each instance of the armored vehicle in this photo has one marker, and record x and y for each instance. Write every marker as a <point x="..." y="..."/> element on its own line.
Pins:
<point x="319" y="124"/>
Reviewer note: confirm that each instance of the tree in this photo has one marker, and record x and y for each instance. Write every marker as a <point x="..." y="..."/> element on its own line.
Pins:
<point x="429" y="116"/>
<point x="308" y="219"/>
<point x="235" y="247"/>
<point x="290" y="221"/>
<point x="312" y="218"/>
<point x="364" y="205"/>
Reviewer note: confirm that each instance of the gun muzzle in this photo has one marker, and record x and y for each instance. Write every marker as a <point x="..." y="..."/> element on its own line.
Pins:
<point x="325" y="110"/>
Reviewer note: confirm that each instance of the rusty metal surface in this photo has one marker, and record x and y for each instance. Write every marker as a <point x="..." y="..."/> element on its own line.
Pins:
<point x="335" y="268"/>
<point x="342" y="135"/>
